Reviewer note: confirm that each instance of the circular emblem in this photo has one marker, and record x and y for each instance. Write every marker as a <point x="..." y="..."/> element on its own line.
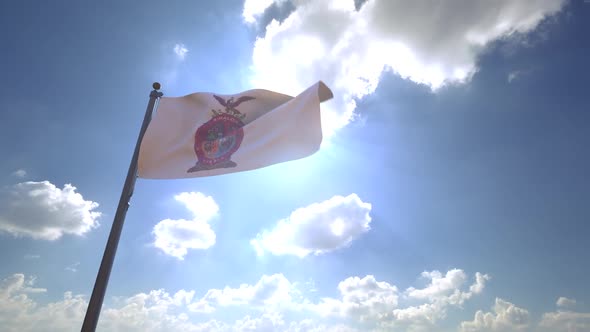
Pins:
<point x="216" y="140"/>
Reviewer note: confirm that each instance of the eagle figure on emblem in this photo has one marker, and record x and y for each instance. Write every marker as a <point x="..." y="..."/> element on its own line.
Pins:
<point x="217" y="139"/>
<point x="230" y="105"/>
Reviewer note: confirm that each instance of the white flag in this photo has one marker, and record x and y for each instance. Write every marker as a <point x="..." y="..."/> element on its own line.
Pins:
<point x="205" y="134"/>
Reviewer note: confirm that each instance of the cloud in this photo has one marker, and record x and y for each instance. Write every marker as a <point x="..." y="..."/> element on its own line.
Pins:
<point x="513" y="75"/>
<point x="14" y="301"/>
<point x="441" y="293"/>
<point x="18" y="312"/>
<point x="18" y="283"/>
<point x="565" y="321"/>
<point x="173" y="64"/>
<point x="176" y="236"/>
<point x="439" y="285"/>
<point x="504" y="317"/>
<point x="564" y="302"/>
<point x="31" y="256"/>
<point x="381" y="305"/>
<point x="180" y="50"/>
<point x="19" y="173"/>
<point x="428" y="43"/>
<point x="201" y="206"/>
<point x="273" y="303"/>
<point x="273" y="291"/>
<point x="255" y="8"/>
<point x="73" y="267"/>
<point x="154" y="311"/>
<point x="270" y="322"/>
<point x="362" y="298"/>
<point x="317" y="229"/>
<point x="41" y="210"/>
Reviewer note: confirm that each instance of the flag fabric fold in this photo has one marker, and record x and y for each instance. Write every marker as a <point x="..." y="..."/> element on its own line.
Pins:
<point x="205" y="134"/>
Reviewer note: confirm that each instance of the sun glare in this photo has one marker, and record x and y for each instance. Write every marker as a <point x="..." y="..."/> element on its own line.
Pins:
<point x="337" y="227"/>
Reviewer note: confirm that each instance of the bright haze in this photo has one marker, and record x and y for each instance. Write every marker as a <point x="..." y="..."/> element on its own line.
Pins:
<point x="451" y="191"/>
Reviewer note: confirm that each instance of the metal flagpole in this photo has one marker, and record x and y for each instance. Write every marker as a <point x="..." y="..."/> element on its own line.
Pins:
<point x="102" y="278"/>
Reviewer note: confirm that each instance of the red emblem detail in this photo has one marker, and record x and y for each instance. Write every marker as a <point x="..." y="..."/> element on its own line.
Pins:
<point x="217" y="139"/>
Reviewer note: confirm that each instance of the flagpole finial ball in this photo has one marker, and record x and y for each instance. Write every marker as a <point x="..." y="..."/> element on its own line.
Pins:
<point x="156" y="86"/>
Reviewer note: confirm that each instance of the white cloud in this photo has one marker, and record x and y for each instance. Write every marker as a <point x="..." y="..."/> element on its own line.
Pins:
<point x="441" y="293"/>
<point x="564" y="302"/>
<point x="429" y="43"/>
<point x="176" y="237"/>
<point x="513" y="75"/>
<point x="480" y="282"/>
<point x="362" y="299"/>
<point x="382" y="306"/>
<point x="154" y="311"/>
<point x="565" y="321"/>
<point x="271" y="322"/>
<point x="19" y="173"/>
<point x="32" y="256"/>
<point x="14" y="301"/>
<point x="141" y="312"/>
<point x="18" y="284"/>
<point x="40" y="210"/>
<point x="180" y="50"/>
<point x="73" y="267"/>
<point x="255" y="8"/>
<point x="273" y="291"/>
<point x="201" y="206"/>
<point x="318" y="228"/>
<point x="273" y="304"/>
<point x="504" y="318"/>
<point x="439" y="285"/>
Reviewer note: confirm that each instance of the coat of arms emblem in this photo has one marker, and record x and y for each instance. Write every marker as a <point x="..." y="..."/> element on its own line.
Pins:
<point x="217" y="139"/>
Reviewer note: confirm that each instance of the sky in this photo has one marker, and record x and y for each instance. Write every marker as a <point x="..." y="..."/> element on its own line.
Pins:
<point x="450" y="192"/>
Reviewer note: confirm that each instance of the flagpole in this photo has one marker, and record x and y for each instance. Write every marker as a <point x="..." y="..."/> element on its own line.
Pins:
<point x="102" y="278"/>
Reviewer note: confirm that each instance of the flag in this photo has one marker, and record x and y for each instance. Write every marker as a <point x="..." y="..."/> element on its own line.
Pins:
<point x="205" y="134"/>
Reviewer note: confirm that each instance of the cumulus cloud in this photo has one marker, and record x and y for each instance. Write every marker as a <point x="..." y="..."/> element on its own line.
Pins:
<point x="380" y="305"/>
<point x="439" y="285"/>
<point x="254" y="8"/>
<point x="565" y="321"/>
<point x="317" y="229"/>
<point x="141" y="312"/>
<point x="180" y="50"/>
<point x="18" y="284"/>
<point x="441" y="293"/>
<point x="176" y="236"/>
<point x="362" y="298"/>
<point x="41" y="210"/>
<point x="73" y="267"/>
<point x="19" y="173"/>
<point x="274" y="290"/>
<point x="154" y="311"/>
<point x="504" y="317"/>
<point x="363" y="304"/>
<point x="14" y="300"/>
<point x="268" y="300"/>
<point x="430" y="43"/>
<point x="564" y="302"/>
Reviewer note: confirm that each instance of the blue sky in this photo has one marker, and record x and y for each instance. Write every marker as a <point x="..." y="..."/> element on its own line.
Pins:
<point x="455" y="155"/>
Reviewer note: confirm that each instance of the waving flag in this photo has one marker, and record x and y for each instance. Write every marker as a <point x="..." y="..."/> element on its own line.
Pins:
<point x="205" y="134"/>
